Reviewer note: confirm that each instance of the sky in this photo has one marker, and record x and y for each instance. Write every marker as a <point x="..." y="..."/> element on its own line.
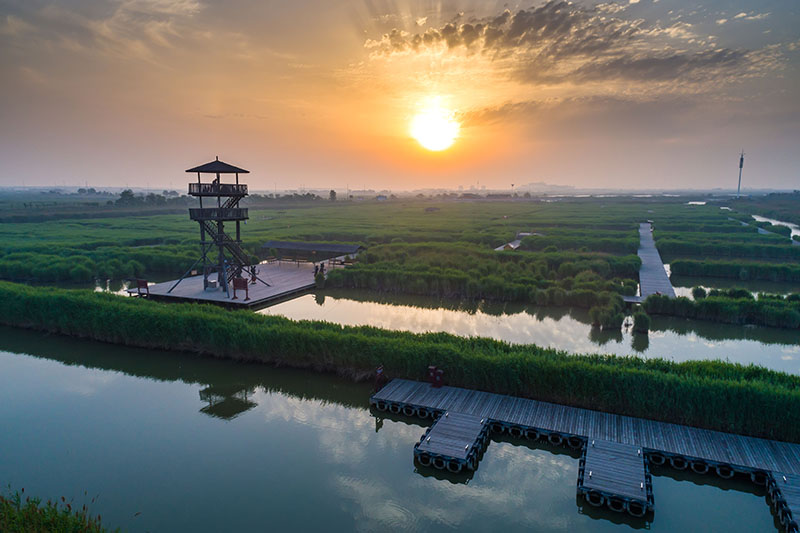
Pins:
<point x="322" y="93"/>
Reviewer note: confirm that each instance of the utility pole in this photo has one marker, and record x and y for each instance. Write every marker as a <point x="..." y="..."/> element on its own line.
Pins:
<point x="741" y="165"/>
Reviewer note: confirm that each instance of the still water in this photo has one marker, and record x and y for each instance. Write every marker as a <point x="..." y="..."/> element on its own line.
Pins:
<point x="560" y="328"/>
<point x="173" y="442"/>
<point x="683" y="285"/>
<point x="794" y="227"/>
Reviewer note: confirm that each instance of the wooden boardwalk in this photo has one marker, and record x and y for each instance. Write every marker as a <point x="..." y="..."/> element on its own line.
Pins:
<point x="784" y="490"/>
<point x="652" y="276"/>
<point x="660" y="442"/>
<point x="284" y="278"/>
<point x="747" y="453"/>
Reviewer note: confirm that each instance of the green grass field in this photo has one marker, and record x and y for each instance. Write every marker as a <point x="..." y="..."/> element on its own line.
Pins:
<point x="582" y="251"/>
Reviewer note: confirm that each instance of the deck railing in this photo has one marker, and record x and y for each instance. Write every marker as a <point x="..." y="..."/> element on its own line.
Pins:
<point x="216" y="213"/>
<point x="217" y="189"/>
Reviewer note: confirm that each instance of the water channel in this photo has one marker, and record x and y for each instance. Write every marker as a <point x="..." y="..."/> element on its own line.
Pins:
<point x="172" y="442"/>
<point x="794" y="227"/>
<point x="561" y="328"/>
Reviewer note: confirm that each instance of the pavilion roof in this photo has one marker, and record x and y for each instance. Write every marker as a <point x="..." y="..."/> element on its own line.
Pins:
<point x="218" y="167"/>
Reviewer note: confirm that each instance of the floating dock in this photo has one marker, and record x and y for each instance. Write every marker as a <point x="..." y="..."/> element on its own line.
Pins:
<point x="456" y="441"/>
<point x="653" y="277"/>
<point x="284" y="278"/>
<point x="617" y="475"/>
<point x="784" y="493"/>
<point x="624" y="446"/>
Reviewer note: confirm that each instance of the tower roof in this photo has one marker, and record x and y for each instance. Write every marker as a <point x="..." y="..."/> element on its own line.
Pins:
<point x="218" y="167"/>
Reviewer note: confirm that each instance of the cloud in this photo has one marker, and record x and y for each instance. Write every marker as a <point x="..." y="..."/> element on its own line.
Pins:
<point x="561" y="42"/>
<point x="721" y="21"/>
<point x="13" y="26"/>
<point x="136" y="29"/>
<point x="751" y="16"/>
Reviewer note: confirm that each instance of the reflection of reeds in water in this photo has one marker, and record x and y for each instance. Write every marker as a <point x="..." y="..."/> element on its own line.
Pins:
<point x="709" y="394"/>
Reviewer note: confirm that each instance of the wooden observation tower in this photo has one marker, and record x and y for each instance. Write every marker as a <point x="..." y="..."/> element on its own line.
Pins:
<point x="220" y="253"/>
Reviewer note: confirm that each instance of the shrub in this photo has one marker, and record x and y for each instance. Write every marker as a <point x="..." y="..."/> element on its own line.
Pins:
<point x="720" y="306"/>
<point x="80" y="273"/>
<point x="698" y="293"/>
<point x="737" y="270"/>
<point x="641" y="322"/>
<point x="594" y="315"/>
<point x="30" y="514"/>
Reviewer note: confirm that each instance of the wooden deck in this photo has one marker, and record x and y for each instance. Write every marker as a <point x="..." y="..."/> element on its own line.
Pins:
<point x="452" y="435"/>
<point x="652" y="276"/>
<point x="616" y="472"/>
<point x="455" y="441"/>
<point x="785" y="493"/>
<point x="284" y="278"/>
<point x="617" y="449"/>
<point x="715" y="447"/>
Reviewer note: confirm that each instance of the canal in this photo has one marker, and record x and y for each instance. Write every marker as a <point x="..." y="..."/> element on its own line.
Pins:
<point x="560" y="328"/>
<point x="173" y="442"/>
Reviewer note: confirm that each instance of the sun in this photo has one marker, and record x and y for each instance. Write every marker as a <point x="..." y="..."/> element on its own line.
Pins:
<point x="435" y="127"/>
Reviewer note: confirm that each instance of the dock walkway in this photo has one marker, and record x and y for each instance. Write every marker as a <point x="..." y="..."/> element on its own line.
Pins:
<point x="653" y="277"/>
<point x="784" y="491"/>
<point x="681" y="446"/>
<point x="453" y="436"/>
<point x="617" y="474"/>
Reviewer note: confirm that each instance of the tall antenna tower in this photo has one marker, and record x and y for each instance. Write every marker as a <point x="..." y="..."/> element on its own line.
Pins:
<point x="741" y="165"/>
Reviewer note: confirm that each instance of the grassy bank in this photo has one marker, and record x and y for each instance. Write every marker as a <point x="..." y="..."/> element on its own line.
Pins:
<point x="731" y="307"/>
<point x="462" y="271"/>
<point x="712" y="394"/>
<point x="20" y="513"/>
<point x="736" y="270"/>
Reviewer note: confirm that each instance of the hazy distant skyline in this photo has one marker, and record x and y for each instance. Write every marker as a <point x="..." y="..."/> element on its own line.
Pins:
<point x="635" y="94"/>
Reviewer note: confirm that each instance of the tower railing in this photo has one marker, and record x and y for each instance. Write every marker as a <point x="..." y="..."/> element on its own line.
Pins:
<point x="217" y="189"/>
<point x="217" y="213"/>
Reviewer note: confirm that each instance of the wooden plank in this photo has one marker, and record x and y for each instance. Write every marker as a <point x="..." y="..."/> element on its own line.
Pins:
<point x="453" y="435"/>
<point x="616" y="469"/>
<point x="652" y="275"/>
<point x="284" y="279"/>
<point x="714" y="446"/>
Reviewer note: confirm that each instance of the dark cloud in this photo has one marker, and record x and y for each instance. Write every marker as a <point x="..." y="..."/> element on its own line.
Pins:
<point x="560" y="41"/>
<point x="501" y="113"/>
<point x="666" y="66"/>
<point x="582" y="117"/>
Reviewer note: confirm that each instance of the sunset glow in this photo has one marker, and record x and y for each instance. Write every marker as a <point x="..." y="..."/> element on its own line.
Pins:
<point x="405" y="94"/>
<point x="435" y="128"/>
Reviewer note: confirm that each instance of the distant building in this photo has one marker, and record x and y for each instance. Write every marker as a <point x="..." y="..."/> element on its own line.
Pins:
<point x="513" y="245"/>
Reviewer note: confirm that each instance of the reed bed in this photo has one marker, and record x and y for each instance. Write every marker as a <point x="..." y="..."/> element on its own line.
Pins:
<point x="718" y="395"/>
